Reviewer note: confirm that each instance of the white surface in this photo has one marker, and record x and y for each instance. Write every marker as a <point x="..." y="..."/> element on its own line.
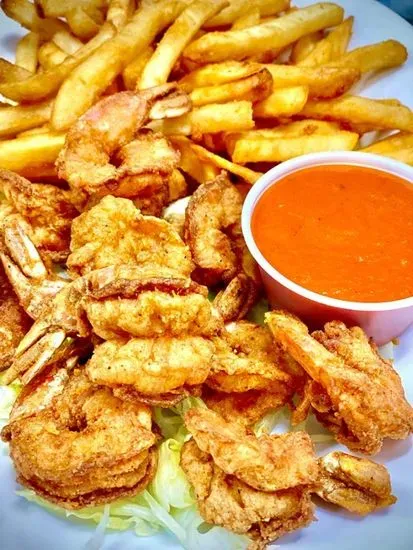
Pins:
<point x="24" y="526"/>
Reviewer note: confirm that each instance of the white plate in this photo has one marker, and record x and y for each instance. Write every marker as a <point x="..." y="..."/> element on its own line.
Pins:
<point x="25" y="526"/>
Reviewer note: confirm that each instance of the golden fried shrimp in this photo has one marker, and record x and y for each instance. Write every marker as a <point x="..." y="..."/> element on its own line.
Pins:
<point x="152" y="367"/>
<point x="246" y="358"/>
<point x="355" y="393"/>
<point x="213" y="210"/>
<point x="356" y="484"/>
<point x="116" y="302"/>
<point x="14" y="322"/>
<point x="267" y="463"/>
<point x="106" y="131"/>
<point x="85" y="447"/>
<point x="227" y="501"/>
<point x="32" y="282"/>
<point x="114" y="232"/>
<point x="235" y="301"/>
<point x="48" y="210"/>
<point x="245" y="408"/>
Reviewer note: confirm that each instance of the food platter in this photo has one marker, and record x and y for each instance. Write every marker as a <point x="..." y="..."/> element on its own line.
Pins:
<point x="26" y="526"/>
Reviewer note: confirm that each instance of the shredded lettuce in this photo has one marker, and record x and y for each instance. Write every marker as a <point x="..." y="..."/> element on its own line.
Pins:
<point x="256" y="315"/>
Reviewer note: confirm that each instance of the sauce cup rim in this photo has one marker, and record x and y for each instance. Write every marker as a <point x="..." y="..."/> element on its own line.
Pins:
<point x="353" y="158"/>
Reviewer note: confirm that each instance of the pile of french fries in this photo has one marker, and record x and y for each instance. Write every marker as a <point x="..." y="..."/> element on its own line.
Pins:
<point x="268" y="81"/>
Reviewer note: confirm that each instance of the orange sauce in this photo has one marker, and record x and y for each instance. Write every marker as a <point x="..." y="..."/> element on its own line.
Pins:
<point x="341" y="231"/>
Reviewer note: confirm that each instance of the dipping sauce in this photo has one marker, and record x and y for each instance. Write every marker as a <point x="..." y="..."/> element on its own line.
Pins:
<point x="341" y="231"/>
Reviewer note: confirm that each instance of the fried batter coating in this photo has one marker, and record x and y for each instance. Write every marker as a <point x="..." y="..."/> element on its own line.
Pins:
<point x="245" y="408"/>
<point x="247" y="358"/>
<point x="48" y="210"/>
<point x="88" y="159"/>
<point x="357" y="394"/>
<point x="235" y="301"/>
<point x="267" y="463"/>
<point x="152" y="366"/>
<point x="225" y="500"/>
<point x="114" y="232"/>
<point x="14" y="323"/>
<point x="151" y="314"/>
<point x="357" y="484"/>
<point x="85" y="446"/>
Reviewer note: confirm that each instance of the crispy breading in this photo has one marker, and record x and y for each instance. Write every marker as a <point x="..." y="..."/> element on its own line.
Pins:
<point x="247" y="358"/>
<point x="115" y="232"/>
<point x="357" y="484"/>
<point x="235" y="301"/>
<point x="225" y="500"/>
<point x="152" y="366"/>
<point x="245" y="408"/>
<point x="267" y="463"/>
<point x="14" y="323"/>
<point x="360" y="395"/>
<point x="48" y="210"/>
<point x="81" y="445"/>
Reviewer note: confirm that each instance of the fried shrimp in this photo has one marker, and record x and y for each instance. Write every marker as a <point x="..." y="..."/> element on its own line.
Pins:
<point x="213" y="231"/>
<point x="114" y="232"/>
<point x="14" y="323"/>
<point x="354" y="392"/>
<point x="151" y="368"/>
<point x="85" y="447"/>
<point x="116" y="302"/>
<point x="245" y="408"/>
<point x="356" y="484"/>
<point x="100" y="155"/>
<point x="47" y="209"/>
<point x="227" y="501"/>
<point x="267" y="463"/>
<point x="246" y="358"/>
<point x="32" y="282"/>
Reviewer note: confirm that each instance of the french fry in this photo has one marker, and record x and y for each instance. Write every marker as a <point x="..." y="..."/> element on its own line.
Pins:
<point x="24" y="12"/>
<point x="189" y="161"/>
<point x="57" y="8"/>
<point x="249" y="19"/>
<point x="81" y="23"/>
<point x="34" y="131"/>
<point x="23" y="117"/>
<point x="304" y="46"/>
<point x="132" y="72"/>
<point x="26" y="153"/>
<point x="238" y="8"/>
<point x="67" y="42"/>
<point x="376" y="57"/>
<point x="86" y="83"/>
<point x="176" y="38"/>
<point x="322" y="81"/>
<point x="219" y="46"/>
<point x="298" y="128"/>
<point x="282" y="102"/>
<point x="361" y="110"/>
<point x="395" y="142"/>
<point x="253" y="88"/>
<point x="222" y="164"/>
<point x="209" y="119"/>
<point x="218" y="73"/>
<point x="332" y="47"/>
<point x="26" y="52"/>
<point x="12" y="73"/>
<point x="50" y="55"/>
<point x="398" y="146"/>
<point x="42" y="85"/>
<point x="119" y="11"/>
<point x="261" y="149"/>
